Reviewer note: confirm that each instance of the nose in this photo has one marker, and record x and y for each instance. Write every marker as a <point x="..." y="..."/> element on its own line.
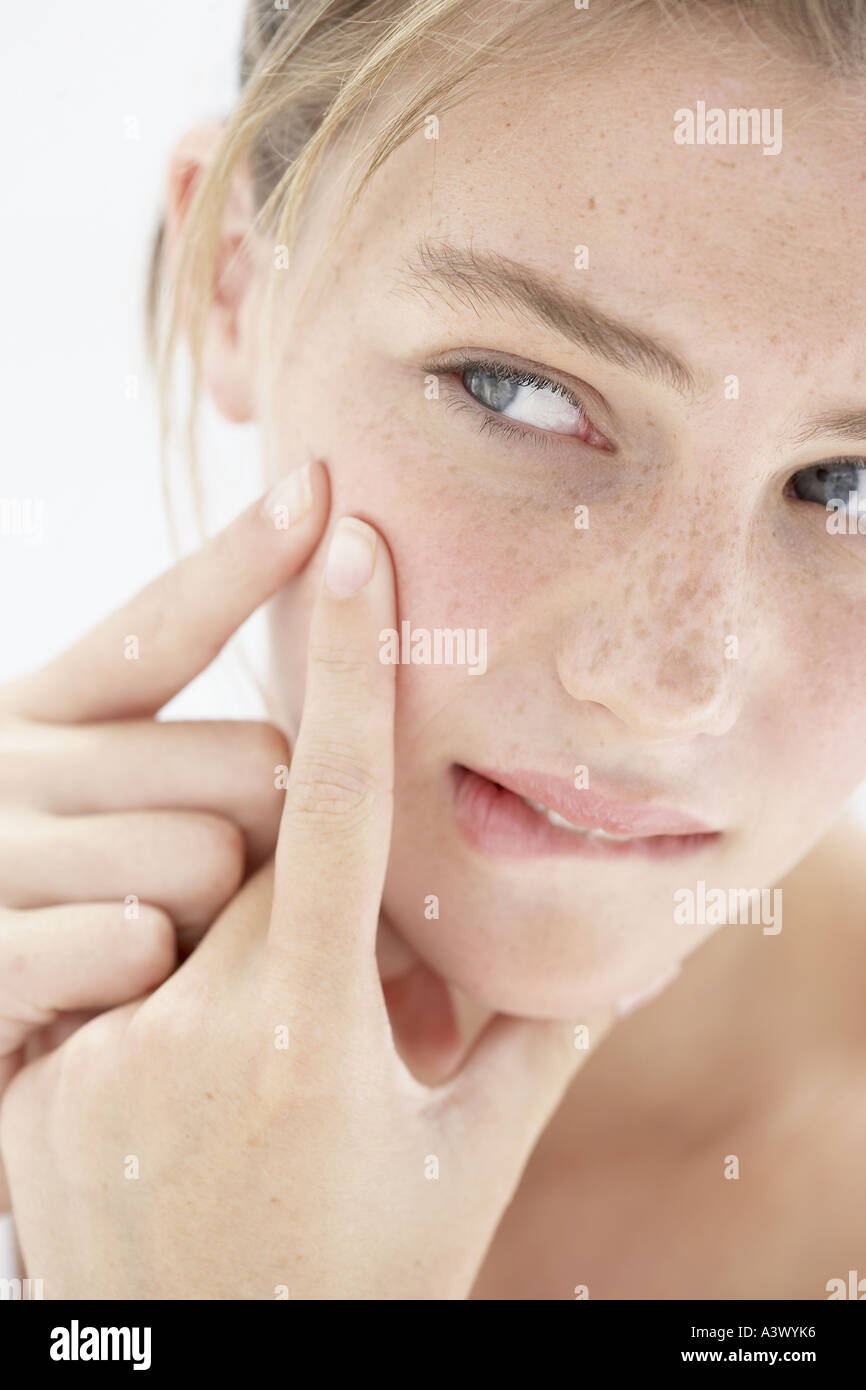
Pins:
<point x="656" y="635"/>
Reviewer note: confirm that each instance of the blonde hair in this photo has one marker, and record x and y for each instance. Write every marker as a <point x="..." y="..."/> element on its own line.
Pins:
<point x="311" y="69"/>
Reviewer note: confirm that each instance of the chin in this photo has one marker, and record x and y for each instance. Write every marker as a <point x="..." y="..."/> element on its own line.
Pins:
<point x="536" y="968"/>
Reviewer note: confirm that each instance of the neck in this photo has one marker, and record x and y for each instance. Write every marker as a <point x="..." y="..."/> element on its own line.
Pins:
<point x="751" y="1016"/>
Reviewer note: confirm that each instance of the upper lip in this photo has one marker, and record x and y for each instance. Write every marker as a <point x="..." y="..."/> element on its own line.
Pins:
<point x="591" y="811"/>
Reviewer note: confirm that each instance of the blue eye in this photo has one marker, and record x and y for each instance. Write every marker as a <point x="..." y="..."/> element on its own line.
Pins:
<point x="526" y="398"/>
<point x="842" y="481"/>
<point x="521" y="396"/>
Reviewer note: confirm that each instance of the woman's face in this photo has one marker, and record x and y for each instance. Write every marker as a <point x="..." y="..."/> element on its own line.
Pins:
<point x="697" y="641"/>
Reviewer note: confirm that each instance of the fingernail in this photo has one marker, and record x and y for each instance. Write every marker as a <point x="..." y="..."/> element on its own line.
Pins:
<point x="350" y="558"/>
<point x="629" y="1002"/>
<point x="291" y="499"/>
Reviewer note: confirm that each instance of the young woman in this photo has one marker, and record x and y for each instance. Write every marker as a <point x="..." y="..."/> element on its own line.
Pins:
<point x="552" y="320"/>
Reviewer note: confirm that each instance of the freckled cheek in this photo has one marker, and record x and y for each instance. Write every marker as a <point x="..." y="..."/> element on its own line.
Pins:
<point x="462" y="559"/>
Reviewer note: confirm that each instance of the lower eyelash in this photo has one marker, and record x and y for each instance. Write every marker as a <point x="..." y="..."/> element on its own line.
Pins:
<point x="491" y="423"/>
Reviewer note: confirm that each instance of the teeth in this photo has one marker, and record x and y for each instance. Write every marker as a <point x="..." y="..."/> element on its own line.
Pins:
<point x="556" y="819"/>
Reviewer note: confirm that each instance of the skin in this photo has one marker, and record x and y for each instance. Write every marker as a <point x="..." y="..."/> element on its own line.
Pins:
<point x="692" y="539"/>
<point x="607" y="647"/>
<point x="691" y="534"/>
<point x="284" y="1030"/>
<point x="123" y="838"/>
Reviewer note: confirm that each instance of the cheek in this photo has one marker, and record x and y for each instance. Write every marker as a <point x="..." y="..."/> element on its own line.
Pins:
<point x="462" y="558"/>
<point x="459" y="554"/>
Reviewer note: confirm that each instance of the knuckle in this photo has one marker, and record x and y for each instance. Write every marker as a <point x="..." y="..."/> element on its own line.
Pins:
<point x="219" y="855"/>
<point x="27" y="753"/>
<point x="36" y="1089"/>
<point x="170" y="1023"/>
<point x="251" y="752"/>
<point x="13" y="956"/>
<point x="265" y="747"/>
<point x="272" y="741"/>
<point x="330" y="785"/>
<point x="77" y="1069"/>
<point x="155" y="941"/>
<point x="341" y="660"/>
<point x="153" y="1027"/>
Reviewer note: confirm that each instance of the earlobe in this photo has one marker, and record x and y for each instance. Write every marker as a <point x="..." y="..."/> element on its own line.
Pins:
<point x="228" y="367"/>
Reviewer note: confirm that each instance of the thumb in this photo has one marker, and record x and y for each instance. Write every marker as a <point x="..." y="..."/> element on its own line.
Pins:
<point x="515" y="1078"/>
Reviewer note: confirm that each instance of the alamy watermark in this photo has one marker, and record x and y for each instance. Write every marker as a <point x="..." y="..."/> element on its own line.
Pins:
<point x="22" y="517"/>
<point x="739" y="125"/>
<point x="715" y="907"/>
<point x="77" y="1343"/>
<point x="846" y="519"/>
<point x="438" y="646"/>
<point x="24" y="1290"/>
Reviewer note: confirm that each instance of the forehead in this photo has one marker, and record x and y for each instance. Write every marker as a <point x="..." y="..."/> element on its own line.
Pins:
<point x="700" y="240"/>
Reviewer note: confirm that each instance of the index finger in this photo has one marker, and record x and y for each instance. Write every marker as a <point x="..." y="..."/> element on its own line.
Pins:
<point x="135" y="660"/>
<point x="335" y="831"/>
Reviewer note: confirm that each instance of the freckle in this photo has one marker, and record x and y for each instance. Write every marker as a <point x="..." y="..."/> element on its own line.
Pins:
<point x="591" y="205"/>
<point x="655" y="574"/>
<point x="680" y="670"/>
<point x="687" y="589"/>
<point x="275" y="1201"/>
<point x="208" y="1095"/>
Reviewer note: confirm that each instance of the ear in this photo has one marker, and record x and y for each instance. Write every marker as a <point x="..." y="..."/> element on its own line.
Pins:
<point x="228" y="365"/>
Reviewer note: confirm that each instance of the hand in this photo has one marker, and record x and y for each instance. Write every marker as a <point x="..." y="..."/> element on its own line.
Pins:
<point x="250" y="1126"/>
<point x="119" y="834"/>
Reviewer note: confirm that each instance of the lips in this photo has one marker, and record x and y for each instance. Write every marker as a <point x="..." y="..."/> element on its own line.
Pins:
<point x="526" y="813"/>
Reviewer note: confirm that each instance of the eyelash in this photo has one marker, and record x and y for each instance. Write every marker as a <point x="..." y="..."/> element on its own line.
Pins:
<point x="487" y="419"/>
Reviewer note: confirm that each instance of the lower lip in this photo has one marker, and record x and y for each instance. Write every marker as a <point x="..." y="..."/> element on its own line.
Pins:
<point x="497" y="821"/>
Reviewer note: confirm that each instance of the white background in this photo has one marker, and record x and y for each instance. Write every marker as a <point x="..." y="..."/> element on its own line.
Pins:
<point x="94" y="95"/>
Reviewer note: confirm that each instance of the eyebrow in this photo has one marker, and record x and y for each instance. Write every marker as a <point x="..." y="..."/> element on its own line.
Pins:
<point x="485" y="278"/>
<point x="847" y="424"/>
<point x="479" y="278"/>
